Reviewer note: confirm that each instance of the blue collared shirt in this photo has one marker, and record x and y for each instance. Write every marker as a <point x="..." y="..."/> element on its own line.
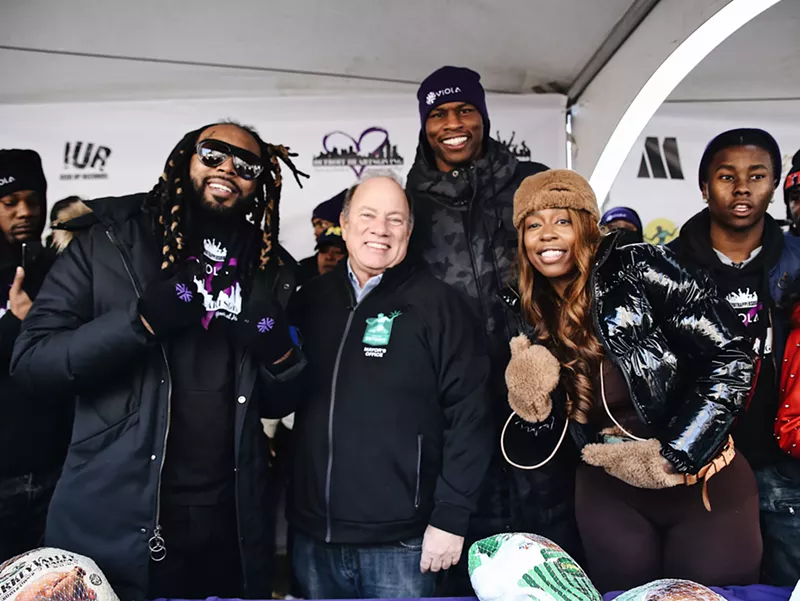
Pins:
<point x="368" y="287"/>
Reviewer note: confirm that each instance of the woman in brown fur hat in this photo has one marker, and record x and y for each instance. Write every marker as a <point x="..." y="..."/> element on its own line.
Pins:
<point x="647" y="364"/>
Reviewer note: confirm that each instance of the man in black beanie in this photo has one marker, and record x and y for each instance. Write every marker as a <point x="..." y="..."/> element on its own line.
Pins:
<point x="753" y="263"/>
<point x="34" y="429"/>
<point x="462" y="188"/>
<point x="791" y="195"/>
<point x="165" y="317"/>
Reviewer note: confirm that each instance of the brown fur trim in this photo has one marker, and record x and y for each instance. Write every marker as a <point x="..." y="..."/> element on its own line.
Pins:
<point x="62" y="238"/>
<point x="554" y="189"/>
<point x="638" y="463"/>
<point x="531" y="375"/>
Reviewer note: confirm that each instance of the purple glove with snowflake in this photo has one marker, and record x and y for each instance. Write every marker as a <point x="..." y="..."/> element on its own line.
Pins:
<point x="170" y="305"/>
<point x="263" y="326"/>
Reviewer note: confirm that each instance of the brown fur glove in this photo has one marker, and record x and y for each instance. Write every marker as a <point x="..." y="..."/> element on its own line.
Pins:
<point x="638" y="462"/>
<point x="531" y="375"/>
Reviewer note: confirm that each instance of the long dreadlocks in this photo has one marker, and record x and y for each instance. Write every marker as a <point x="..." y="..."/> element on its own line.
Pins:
<point x="167" y="201"/>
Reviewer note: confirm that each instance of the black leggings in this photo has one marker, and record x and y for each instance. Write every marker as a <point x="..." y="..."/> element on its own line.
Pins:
<point x="633" y="536"/>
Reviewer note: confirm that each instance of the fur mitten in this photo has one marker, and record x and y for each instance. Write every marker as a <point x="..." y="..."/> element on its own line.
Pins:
<point x="531" y="375"/>
<point x="638" y="462"/>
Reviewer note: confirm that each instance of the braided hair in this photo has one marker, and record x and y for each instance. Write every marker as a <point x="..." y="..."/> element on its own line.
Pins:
<point x="167" y="202"/>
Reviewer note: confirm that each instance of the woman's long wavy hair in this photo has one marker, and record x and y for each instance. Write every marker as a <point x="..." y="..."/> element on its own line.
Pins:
<point x="564" y="325"/>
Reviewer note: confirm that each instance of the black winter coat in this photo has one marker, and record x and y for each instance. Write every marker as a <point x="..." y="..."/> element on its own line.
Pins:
<point x="678" y="344"/>
<point x="34" y="429"/>
<point x="84" y="336"/>
<point x="394" y="432"/>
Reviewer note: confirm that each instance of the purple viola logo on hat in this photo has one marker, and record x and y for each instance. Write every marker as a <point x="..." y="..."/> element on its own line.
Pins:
<point x="183" y="292"/>
<point x="430" y="98"/>
<point x="265" y="325"/>
<point x="372" y="148"/>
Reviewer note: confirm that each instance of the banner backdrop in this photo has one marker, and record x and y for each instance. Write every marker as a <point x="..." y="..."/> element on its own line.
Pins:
<point x="113" y="149"/>
<point x="659" y="177"/>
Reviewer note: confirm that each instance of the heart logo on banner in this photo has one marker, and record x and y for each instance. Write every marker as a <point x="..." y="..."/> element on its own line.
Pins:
<point x="370" y="143"/>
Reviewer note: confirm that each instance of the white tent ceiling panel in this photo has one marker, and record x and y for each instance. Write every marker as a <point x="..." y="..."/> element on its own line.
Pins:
<point x="514" y="44"/>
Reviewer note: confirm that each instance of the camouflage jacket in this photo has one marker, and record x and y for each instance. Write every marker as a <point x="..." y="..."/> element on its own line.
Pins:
<point x="463" y="230"/>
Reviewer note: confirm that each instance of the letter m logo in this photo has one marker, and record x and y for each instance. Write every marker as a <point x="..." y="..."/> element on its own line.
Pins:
<point x="658" y="160"/>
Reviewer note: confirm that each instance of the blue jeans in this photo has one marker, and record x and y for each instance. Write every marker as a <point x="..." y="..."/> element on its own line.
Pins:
<point x="779" y="494"/>
<point x="389" y="571"/>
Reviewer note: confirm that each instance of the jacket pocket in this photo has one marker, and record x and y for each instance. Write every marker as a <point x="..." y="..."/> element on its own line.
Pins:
<point x="419" y="471"/>
<point x="82" y="451"/>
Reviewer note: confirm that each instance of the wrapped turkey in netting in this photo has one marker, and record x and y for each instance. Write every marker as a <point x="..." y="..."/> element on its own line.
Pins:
<point x="525" y="567"/>
<point x="671" y="590"/>
<point x="53" y="575"/>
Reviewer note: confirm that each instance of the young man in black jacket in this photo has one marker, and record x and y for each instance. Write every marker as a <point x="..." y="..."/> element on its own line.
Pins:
<point x="462" y="186"/>
<point x="34" y="429"/>
<point x="753" y="263"/>
<point x="394" y="435"/>
<point x="165" y="319"/>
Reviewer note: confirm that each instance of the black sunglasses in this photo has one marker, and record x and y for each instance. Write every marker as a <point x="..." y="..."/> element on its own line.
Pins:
<point x="212" y="153"/>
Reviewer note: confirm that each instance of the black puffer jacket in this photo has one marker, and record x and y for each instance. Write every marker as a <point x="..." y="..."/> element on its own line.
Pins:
<point x="83" y="336"/>
<point x="677" y="343"/>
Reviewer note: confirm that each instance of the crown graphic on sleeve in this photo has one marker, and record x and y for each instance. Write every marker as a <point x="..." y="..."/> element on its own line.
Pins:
<point x="214" y="250"/>
<point x="742" y="299"/>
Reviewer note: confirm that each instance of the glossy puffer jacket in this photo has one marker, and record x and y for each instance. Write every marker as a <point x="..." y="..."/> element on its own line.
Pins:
<point x="677" y="343"/>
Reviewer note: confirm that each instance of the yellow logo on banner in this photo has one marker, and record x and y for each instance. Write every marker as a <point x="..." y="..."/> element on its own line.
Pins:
<point x="660" y="231"/>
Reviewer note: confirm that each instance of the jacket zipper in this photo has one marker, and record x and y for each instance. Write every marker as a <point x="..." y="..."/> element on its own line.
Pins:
<point x="419" y="468"/>
<point x="156" y="543"/>
<point x="330" y="423"/>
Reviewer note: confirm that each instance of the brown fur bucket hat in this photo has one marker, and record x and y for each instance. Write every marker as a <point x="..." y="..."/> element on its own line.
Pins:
<point x="554" y="189"/>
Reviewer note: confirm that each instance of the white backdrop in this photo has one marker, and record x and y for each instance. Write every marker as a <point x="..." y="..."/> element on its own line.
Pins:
<point x="131" y="141"/>
<point x="668" y="201"/>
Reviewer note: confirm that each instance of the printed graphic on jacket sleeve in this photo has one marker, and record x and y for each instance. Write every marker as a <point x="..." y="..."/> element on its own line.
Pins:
<point x="653" y="160"/>
<point x="379" y="329"/>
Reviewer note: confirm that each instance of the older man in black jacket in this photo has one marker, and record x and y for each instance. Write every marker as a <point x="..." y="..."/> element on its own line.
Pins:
<point x="165" y="319"/>
<point x="394" y="435"/>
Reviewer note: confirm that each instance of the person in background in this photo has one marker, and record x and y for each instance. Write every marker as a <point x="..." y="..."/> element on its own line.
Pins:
<point x="331" y="249"/>
<point x="165" y="318"/>
<point x="753" y="264"/>
<point x="393" y="436"/>
<point x="649" y="398"/>
<point x="325" y="216"/>
<point x="61" y="212"/>
<point x="791" y="195"/>
<point x="625" y="220"/>
<point x="34" y="428"/>
<point x="462" y="186"/>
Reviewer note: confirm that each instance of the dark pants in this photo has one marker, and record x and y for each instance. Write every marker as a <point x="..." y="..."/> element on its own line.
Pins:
<point x="23" y="511"/>
<point x="779" y="489"/>
<point x="389" y="571"/>
<point x="633" y="536"/>
<point x="203" y="558"/>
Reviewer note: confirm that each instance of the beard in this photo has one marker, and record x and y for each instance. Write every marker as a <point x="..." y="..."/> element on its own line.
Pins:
<point x="242" y="206"/>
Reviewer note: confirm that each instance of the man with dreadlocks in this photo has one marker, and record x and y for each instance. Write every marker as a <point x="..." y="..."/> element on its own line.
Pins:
<point x="166" y="320"/>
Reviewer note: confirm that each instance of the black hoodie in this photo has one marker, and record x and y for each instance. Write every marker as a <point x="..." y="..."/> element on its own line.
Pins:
<point x="746" y="289"/>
